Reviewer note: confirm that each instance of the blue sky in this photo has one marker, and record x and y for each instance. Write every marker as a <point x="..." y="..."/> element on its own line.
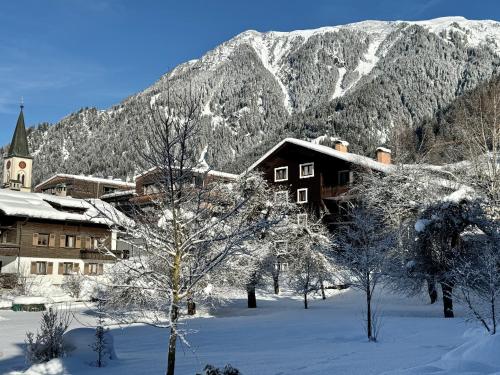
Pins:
<point x="61" y="55"/>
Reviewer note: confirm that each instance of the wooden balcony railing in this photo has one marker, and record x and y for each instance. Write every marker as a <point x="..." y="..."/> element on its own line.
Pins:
<point x="99" y="255"/>
<point x="333" y="191"/>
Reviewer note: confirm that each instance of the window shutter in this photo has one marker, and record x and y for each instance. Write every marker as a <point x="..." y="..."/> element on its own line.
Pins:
<point x="35" y="239"/>
<point x="60" y="268"/>
<point x="101" y="269"/>
<point x="33" y="268"/>
<point x="78" y="244"/>
<point x="88" y="243"/>
<point x="351" y="177"/>
<point x="62" y="240"/>
<point x="76" y="267"/>
<point x="52" y="240"/>
<point x="50" y="268"/>
<point x="86" y="269"/>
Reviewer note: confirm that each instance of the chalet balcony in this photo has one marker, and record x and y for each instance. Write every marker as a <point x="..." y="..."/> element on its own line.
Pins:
<point x="9" y="249"/>
<point x="334" y="192"/>
<point x="99" y="255"/>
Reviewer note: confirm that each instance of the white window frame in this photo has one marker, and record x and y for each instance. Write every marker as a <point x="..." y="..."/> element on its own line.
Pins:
<point x="283" y="179"/>
<point x="304" y="217"/>
<point x="283" y="266"/>
<point x="285" y="247"/>
<point x="298" y="195"/>
<point x="303" y="165"/>
<point x="277" y="193"/>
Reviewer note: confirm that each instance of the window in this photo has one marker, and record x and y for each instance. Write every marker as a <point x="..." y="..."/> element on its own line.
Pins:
<point x="41" y="268"/>
<point x="283" y="266"/>
<point x="67" y="268"/>
<point x="345" y="178"/>
<point x="280" y="247"/>
<point x="281" y="196"/>
<point x="70" y="241"/>
<point x="43" y="239"/>
<point x="302" y="195"/>
<point x="151" y="189"/>
<point x="93" y="269"/>
<point x="306" y="170"/>
<point x="302" y="220"/>
<point x="97" y="243"/>
<point x="109" y="189"/>
<point x="280" y="174"/>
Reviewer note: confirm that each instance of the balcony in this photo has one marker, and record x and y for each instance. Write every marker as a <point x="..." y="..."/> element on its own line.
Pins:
<point x="9" y="249"/>
<point x="334" y="192"/>
<point x="100" y="255"/>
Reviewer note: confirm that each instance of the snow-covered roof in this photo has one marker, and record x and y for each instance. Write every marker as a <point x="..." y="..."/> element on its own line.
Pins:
<point x="346" y="156"/>
<point x="51" y="207"/>
<point x="121" y="193"/>
<point x="200" y="170"/>
<point x="107" y="181"/>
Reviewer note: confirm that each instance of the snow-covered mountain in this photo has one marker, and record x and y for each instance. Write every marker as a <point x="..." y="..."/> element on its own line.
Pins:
<point x="356" y="81"/>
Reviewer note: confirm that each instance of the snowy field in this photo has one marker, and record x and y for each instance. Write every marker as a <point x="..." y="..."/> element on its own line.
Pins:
<point x="280" y="337"/>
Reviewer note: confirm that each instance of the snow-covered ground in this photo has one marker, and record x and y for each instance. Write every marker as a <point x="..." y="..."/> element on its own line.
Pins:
<point x="280" y="337"/>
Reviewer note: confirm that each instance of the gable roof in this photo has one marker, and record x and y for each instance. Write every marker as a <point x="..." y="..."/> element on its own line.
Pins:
<point x="99" y="180"/>
<point x="19" y="144"/>
<point x="360" y="160"/>
<point x="50" y="207"/>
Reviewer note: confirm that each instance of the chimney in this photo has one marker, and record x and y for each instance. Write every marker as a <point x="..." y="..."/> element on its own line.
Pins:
<point x="383" y="155"/>
<point x="341" y="145"/>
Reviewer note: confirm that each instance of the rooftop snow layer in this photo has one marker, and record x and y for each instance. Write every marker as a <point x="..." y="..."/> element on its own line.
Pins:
<point x="43" y="206"/>
<point x="99" y="180"/>
<point x="360" y="160"/>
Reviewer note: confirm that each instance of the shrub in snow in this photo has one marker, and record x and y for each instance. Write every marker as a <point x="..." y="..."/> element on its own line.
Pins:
<point x="227" y="370"/>
<point x="47" y="344"/>
<point x="73" y="285"/>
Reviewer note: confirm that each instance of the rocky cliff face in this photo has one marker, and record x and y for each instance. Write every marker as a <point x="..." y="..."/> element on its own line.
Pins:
<point x="357" y="82"/>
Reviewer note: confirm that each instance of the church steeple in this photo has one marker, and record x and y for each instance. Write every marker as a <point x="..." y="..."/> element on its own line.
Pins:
<point x="17" y="167"/>
<point x="19" y="144"/>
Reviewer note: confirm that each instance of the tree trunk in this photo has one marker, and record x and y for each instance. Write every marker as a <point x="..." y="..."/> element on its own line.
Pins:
<point x="276" y="283"/>
<point x="369" y="328"/>
<point x="305" y="300"/>
<point x="447" y="300"/>
<point x="191" y="305"/>
<point x="252" y="299"/>
<point x="431" y="288"/>
<point x="172" y="340"/>
<point x="323" y="294"/>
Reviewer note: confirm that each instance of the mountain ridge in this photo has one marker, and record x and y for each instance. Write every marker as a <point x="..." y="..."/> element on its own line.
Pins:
<point x="358" y="81"/>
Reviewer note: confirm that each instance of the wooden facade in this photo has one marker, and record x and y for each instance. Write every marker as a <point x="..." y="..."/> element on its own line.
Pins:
<point x="321" y="175"/>
<point x="82" y="187"/>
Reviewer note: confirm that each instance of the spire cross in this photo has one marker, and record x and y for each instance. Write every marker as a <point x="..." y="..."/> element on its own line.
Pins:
<point x="22" y="102"/>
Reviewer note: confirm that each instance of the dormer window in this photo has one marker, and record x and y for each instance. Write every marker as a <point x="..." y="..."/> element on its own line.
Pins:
<point x="306" y="170"/>
<point x="280" y="174"/>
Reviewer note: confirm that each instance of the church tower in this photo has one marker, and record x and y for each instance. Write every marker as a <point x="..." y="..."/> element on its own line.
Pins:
<point x="18" y="164"/>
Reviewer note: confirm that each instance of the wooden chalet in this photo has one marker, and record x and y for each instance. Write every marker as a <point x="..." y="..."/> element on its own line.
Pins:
<point x="46" y="235"/>
<point x="83" y="187"/>
<point x="317" y="176"/>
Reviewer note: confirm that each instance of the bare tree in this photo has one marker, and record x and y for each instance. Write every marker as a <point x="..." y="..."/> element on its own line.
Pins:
<point x="192" y="225"/>
<point x="360" y="250"/>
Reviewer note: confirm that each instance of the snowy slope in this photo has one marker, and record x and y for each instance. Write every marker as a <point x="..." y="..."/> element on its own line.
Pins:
<point x="280" y="337"/>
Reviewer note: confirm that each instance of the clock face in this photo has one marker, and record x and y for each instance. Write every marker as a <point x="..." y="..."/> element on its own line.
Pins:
<point x="8" y="164"/>
<point x="22" y="164"/>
